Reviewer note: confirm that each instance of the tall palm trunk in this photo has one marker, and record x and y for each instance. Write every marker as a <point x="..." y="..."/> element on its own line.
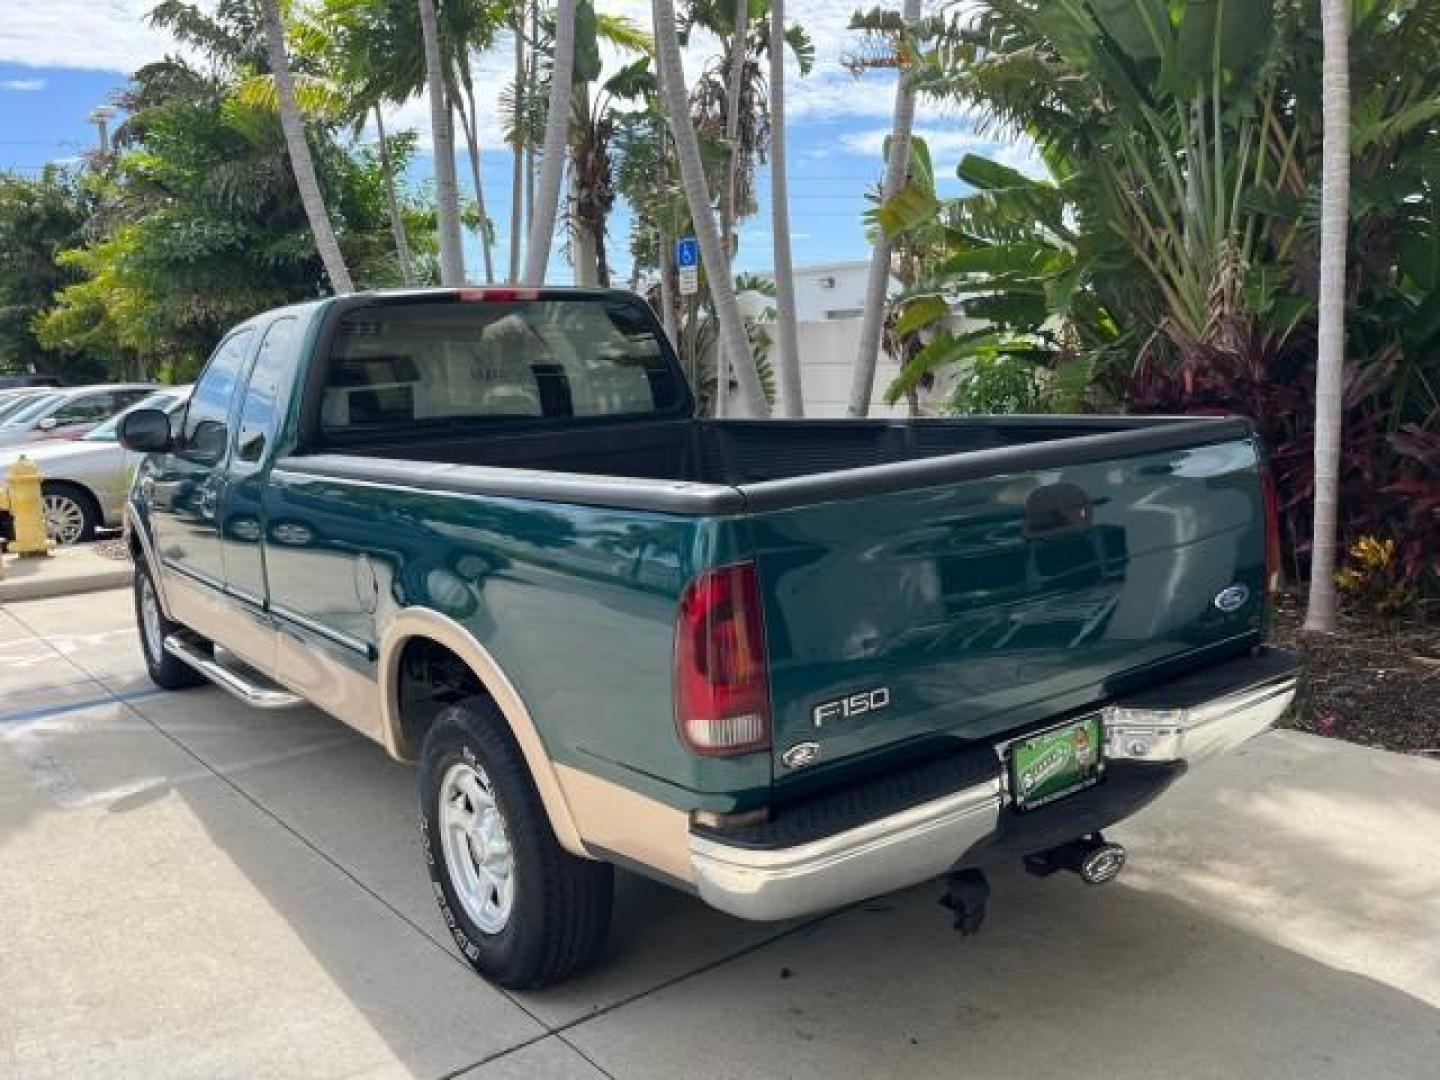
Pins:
<point x="734" y="79"/>
<point x="517" y="164"/>
<point x="447" y="191"/>
<point x="665" y="257"/>
<point x="584" y="238"/>
<point x="470" y="121"/>
<point x="392" y="199"/>
<point x="877" y="287"/>
<point x="734" y="344"/>
<point x="787" y="337"/>
<point x="301" y="164"/>
<point x="552" y="159"/>
<point x="531" y="95"/>
<point x="1329" y="367"/>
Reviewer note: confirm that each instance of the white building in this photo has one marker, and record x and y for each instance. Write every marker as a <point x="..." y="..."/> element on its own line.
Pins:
<point x="825" y="292"/>
<point x="829" y="308"/>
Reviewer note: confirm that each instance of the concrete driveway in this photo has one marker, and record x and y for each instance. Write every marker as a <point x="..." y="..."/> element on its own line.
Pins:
<point x="192" y="889"/>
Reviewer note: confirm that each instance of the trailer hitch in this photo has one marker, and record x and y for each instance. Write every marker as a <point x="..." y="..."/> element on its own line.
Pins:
<point x="1094" y="858"/>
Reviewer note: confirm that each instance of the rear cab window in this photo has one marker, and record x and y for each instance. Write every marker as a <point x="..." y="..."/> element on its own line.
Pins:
<point x="408" y="367"/>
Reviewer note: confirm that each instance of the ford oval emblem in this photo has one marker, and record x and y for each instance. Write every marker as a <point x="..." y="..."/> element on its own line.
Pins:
<point x="1232" y="598"/>
<point x="800" y="755"/>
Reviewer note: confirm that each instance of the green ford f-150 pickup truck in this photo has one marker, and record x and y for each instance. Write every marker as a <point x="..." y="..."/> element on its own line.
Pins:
<point x="784" y="665"/>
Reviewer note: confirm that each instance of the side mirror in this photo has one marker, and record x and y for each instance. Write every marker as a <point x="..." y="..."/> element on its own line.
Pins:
<point x="48" y="424"/>
<point x="146" y="431"/>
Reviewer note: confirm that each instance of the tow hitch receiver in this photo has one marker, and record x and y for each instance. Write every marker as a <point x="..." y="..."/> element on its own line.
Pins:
<point x="1094" y="858"/>
<point x="966" y="892"/>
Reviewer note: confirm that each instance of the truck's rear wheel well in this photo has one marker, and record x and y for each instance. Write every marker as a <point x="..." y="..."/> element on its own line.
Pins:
<point x="430" y="678"/>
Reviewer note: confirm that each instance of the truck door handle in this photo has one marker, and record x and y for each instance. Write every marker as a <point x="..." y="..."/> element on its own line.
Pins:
<point x="1057" y="510"/>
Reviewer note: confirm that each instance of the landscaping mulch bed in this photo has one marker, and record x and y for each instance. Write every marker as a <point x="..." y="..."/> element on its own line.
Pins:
<point x="1374" y="681"/>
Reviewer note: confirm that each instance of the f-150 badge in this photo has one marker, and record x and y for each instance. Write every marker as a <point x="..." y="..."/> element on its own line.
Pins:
<point x="851" y="706"/>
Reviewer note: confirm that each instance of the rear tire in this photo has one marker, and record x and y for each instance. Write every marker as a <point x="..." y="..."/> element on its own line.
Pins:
<point x="524" y="912"/>
<point x="71" y="515"/>
<point x="166" y="671"/>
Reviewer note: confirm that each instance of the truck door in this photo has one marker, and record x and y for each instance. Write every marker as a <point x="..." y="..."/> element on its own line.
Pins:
<point x="266" y="395"/>
<point x="184" y="487"/>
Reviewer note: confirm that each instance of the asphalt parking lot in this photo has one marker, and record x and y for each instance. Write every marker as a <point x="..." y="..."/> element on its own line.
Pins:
<point x="192" y="889"/>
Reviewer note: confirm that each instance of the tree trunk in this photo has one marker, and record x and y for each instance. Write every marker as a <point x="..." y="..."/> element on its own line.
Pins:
<point x="517" y="165"/>
<point x="584" y="243"/>
<point x="447" y="191"/>
<point x="787" y="336"/>
<point x="734" y="79"/>
<point x="552" y="157"/>
<point x="877" y="287"/>
<point x="733" y="340"/>
<point x="666" y="255"/>
<point x="1330" y="362"/>
<point x="301" y="165"/>
<point x="531" y="94"/>
<point x="397" y="219"/>
<point x="471" y="122"/>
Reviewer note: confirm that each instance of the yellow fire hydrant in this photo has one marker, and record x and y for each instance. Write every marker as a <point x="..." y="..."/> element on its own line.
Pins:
<point x="21" y="497"/>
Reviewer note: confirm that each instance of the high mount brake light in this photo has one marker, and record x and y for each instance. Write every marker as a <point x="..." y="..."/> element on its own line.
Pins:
<point x="722" y="682"/>
<point x="496" y="294"/>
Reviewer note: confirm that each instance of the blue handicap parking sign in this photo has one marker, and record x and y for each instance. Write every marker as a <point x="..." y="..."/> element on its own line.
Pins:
<point x="687" y="252"/>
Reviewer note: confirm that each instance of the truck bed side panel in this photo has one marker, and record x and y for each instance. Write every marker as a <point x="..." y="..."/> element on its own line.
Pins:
<point x="575" y="603"/>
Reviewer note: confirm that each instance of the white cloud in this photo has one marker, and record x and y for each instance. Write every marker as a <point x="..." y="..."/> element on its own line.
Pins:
<point x="107" y="35"/>
<point x="22" y="84"/>
<point x="114" y="35"/>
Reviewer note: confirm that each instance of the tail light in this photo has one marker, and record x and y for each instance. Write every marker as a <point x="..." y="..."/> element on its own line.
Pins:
<point x="1272" y="530"/>
<point x="722" y="684"/>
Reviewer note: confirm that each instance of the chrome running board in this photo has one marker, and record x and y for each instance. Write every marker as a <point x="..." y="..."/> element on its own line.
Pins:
<point x="249" y="687"/>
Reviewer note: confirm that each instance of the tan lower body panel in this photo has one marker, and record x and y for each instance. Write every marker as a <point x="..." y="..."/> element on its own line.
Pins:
<point x="220" y="618"/>
<point x="613" y="818"/>
<point x="607" y="817"/>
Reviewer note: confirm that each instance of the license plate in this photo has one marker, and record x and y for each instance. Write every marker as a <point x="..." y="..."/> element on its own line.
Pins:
<point x="1055" y="763"/>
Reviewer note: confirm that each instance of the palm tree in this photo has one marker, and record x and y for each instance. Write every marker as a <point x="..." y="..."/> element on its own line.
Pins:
<point x="787" y="341"/>
<point x="1330" y="361"/>
<point x="517" y="164"/>
<point x="447" y="191"/>
<point x="734" y="343"/>
<point x="552" y="160"/>
<point x="862" y="385"/>
<point x="470" y="124"/>
<point x="392" y="199"/>
<point x="292" y="124"/>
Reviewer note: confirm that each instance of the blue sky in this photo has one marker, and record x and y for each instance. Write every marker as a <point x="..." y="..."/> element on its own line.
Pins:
<point x="60" y="59"/>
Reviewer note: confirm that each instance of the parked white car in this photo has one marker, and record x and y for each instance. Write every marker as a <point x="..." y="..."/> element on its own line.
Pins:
<point x="85" y="479"/>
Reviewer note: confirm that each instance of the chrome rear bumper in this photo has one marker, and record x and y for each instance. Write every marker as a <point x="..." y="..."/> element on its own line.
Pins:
<point x="1189" y="720"/>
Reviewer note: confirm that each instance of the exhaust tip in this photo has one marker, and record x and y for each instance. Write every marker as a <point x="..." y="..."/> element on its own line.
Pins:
<point x="1102" y="863"/>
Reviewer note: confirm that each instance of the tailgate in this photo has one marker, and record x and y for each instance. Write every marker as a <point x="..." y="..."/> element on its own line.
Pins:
<point x="970" y="608"/>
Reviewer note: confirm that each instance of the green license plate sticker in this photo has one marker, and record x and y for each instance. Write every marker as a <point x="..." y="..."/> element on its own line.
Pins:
<point x="1054" y="763"/>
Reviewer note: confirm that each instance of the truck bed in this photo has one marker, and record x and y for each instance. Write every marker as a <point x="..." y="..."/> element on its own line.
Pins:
<point x="716" y="466"/>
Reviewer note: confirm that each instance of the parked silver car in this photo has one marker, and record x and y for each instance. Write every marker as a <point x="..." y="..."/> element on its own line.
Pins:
<point x="12" y="401"/>
<point x="69" y="413"/>
<point x="85" y="479"/>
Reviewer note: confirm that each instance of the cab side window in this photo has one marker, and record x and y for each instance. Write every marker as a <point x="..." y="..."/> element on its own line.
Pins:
<point x="259" y="415"/>
<point x="204" y="435"/>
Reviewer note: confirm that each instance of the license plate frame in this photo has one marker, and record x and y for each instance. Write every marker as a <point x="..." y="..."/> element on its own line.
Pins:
<point x="1056" y="762"/>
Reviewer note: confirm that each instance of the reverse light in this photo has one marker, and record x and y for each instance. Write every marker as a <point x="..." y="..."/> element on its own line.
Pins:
<point x="1271" y="498"/>
<point x="722" y="684"/>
